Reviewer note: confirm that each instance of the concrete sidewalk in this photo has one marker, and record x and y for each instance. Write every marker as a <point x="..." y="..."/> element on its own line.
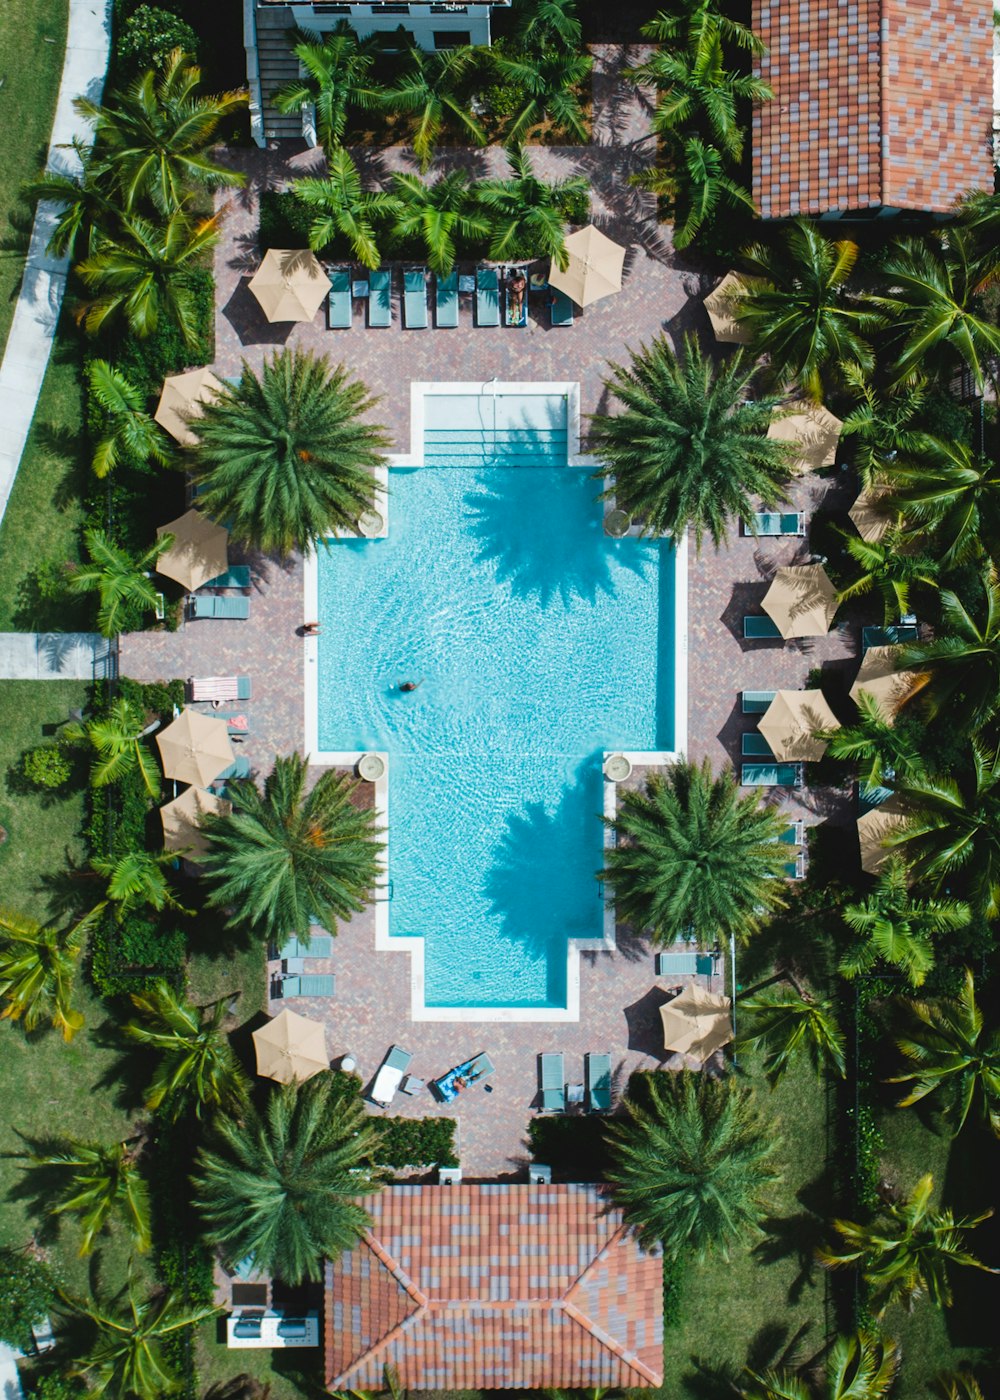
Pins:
<point x="55" y="656"/>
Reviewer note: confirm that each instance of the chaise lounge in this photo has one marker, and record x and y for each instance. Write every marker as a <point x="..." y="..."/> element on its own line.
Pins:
<point x="598" y="1072"/>
<point x="219" y="688"/>
<point x="560" y="309"/>
<point x="683" y="961"/>
<point x="774" y="522"/>
<point x="308" y="984"/>
<point x="754" y="745"/>
<point x="236" y="576"/>
<point x="487" y="297"/>
<point x="446" y="301"/>
<point x="204" y="605"/>
<point x="553" y="1083"/>
<point x="339" y="301"/>
<point x="758" y="626"/>
<point x="380" y="299"/>
<point x="415" y="298"/>
<point x="771" y="774"/>
<point x="390" y="1076"/>
<point x="755" y="702"/>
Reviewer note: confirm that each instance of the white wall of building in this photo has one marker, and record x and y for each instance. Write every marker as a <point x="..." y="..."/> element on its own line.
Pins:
<point x="432" y="26"/>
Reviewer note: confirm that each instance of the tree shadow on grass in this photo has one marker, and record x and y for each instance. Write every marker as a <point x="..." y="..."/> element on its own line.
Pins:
<point x="793" y="1237"/>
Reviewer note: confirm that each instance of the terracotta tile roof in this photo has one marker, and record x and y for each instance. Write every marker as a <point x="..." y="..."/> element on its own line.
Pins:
<point x="494" y="1287"/>
<point x="877" y="102"/>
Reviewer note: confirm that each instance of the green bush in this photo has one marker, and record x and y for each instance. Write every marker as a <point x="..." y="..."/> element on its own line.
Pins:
<point x="147" y="37"/>
<point x="147" y="362"/>
<point x="673" y="1286"/>
<point x="418" y="1142"/>
<point x="574" y="1147"/>
<point x="51" y="1385"/>
<point x="284" y="220"/>
<point x="47" y="766"/>
<point x="26" y="1295"/>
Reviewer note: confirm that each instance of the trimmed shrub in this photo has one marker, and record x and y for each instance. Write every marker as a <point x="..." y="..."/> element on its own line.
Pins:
<point x="418" y="1142"/>
<point x="284" y="220"/>
<point x="46" y="766"/>
<point x="147" y="362"/>
<point x="26" y="1295"/>
<point x="673" y="1291"/>
<point x="574" y="1147"/>
<point x="147" y="38"/>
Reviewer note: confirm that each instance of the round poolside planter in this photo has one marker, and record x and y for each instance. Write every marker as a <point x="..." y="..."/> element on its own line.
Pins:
<point x="372" y="523"/>
<point x="617" y="768"/>
<point x="617" y="523"/>
<point x="371" y="767"/>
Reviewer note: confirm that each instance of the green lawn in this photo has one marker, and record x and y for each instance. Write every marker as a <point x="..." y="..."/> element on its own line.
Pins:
<point x="32" y="42"/>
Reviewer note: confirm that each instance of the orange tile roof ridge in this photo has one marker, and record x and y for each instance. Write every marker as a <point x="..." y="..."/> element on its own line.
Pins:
<point x="396" y="1269"/>
<point x="610" y="1344"/>
<point x="377" y="1348"/>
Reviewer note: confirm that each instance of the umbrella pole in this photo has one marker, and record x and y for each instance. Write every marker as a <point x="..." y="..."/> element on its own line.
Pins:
<point x="732" y="999"/>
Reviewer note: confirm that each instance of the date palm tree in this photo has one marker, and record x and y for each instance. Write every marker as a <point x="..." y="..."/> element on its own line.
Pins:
<point x="118" y="739"/>
<point x="96" y="1182"/>
<point x="860" y="1367"/>
<point x="38" y="970"/>
<point x="436" y="216"/>
<point x="954" y="494"/>
<point x="287" y="853"/>
<point x="525" y="213"/>
<point x="881" y="750"/>
<point x="689" y="449"/>
<point x="432" y="90"/>
<point x="120" y="580"/>
<point x="337" y="76"/>
<point x="342" y="210"/>
<point x="697" y="188"/>
<point x="198" y="1071"/>
<point x="136" y="880"/>
<point x="963" y="660"/>
<point x="283" y="1186"/>
<point x="286" y="458"/>
<point x="785" y="1022"/>
<point x="890" y="566"/>
<point x="128" y="432"/>
<point x="551" y="78"/>
<point x="692" y="853"/>
<point x="895" y="928"/>
<point x="799" y="310"/>
<point x="691" y="1169"/>
<point x="950" y="1050"/>
<point x="909" y="1253"/>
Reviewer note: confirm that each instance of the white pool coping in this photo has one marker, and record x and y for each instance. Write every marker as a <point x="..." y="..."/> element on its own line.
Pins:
<point x="415" y="946"/>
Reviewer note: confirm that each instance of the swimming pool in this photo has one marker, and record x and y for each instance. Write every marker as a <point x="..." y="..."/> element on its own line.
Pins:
<point x="537" y="643"/>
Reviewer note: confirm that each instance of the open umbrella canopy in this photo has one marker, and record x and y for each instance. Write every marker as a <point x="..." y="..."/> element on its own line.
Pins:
<point x="879" y="678"/>
<point x="199" y="551"/>
<point x="182" y="820"/>
<point x="195" y="748"/>
<point x="869" y="513"/>
<point x="291" y="1047"/>
<point x="875" y="828"/>
<point x="696" y="1022"/>
<point x="594" y="269"/>
<point x="181" y="400"/>
<point x="790" y="723"/>
<point x="723" y="306"/>
<point x="290" y="284"/>
<point x="801" y="601"/>
<point x="812" y="430"/>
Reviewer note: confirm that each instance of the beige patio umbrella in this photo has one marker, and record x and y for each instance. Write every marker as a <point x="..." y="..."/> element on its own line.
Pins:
<point x="801" y="601"/>
<point x="696" y="1022"/>
<point x="195" y="748"/>
<point x="181" y="820"/>
<point x="888" y="687"/>
<point x="874" y="829"/>
<point x="594" y="269"/>
<point x="291" y="1047"/>
<point x="870" y="516"/>
<point x="181" y="400"/>
<point x="198" y="553"/>
<point x="812" y="430"/>
<point x="790" y="723"/>
<point x="722" y="306"/>
<point x="290" y="284"/>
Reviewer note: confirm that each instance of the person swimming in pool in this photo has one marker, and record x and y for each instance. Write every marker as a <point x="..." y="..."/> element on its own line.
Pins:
<point x="407" y="686"/>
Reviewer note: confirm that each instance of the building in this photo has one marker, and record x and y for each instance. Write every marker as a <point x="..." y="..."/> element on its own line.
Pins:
<point x="267" y="25"/>
<point x="494" y="1287"/>
<point x="880" y="106"/>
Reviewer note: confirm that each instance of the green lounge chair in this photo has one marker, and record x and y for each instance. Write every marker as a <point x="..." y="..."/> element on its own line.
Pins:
<point x="754" y="745"/>
<point x="773" y="522"/>
<point x="415" y="299"/>
<point x="487" y="297"/>
<point x="553" y="1083"/>
<point x="340" y="302"/>
<point x="236" y="576"/>
<point x="887" y="636"/>
<point x="683" y="961"/>
<point x="380" y="299"/>
<point x="598" y="1071"/>
<point x="757" y="626"/>
<point x="792" y="836"/>
<point x="240" y="768"/>
<point x="309" y="984"/>
<point x="319" y="946"/>
<point x="755" y="702"/>
<point x="390" y="1076"/>
<point x="560" y="309"/>
<point x="771" y="774"/>
<point x="446" y="301"/>
<point x="480" y="1066"/>
<point x="218" y="606"/>
<point x="236" y="731"/>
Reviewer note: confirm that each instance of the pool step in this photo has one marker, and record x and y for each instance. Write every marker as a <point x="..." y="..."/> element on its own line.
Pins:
<point x="510" y="447"/>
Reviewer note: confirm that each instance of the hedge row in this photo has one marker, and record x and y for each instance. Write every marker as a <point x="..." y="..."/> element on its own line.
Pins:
<point x="418" y="1142"/>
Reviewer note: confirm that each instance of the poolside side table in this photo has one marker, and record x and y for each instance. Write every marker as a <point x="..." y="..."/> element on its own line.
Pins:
<point x="574" y="1093"/>
<point x="466" y="282"/>
<point x="359" y="289"/>
<point x="296" y="965"/>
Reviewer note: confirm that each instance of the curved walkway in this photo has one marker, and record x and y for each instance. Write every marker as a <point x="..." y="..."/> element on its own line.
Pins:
<point x="88" y="45"/>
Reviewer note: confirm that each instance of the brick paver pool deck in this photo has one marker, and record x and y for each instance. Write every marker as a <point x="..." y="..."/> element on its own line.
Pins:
<point x="661" y="294"/>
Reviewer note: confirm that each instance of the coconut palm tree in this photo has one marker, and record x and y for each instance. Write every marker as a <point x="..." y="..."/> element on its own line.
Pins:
<point x="895" y="928"/>
<point x="946" y="1043"/>
<point x="689" y="450"/>
<point x="525" y="213"/>
<point x="121" y="580"/>
<point x="541" y="23"/>
<point x="337" y="76"/>
<point x="283" y="1187"/>
<point x="697" y="188"/>
<point x="197" y="1070"/>
<point x="890" y="566"/>
<point x="910" y="1252"/>
<point x="38" y="970"/>
<point x="963" y="660"/>
<point x="800" y="312"/>
<point x="957" y="1385"/>
<point x="128" y="432"/>
<point x="343" y="210"/>
<point x="437" y="216"/>
<point x="880" y="749"/>
<point x="432" y="90"/>
<point x="136" y="880"/>
<point x="691" y="853"/>
<point x="96" y="1182"/>
<point x="550" y="77"/>
<point x="694" y="17"/>
<point x="118" y="740"/>
<point x="784" y="1022"/>
<point x="286" y="458"/>
<point x="691" y="1169"/>
<point x="87" y="202"/>
<point x="285" y="854"/>
<point x="881" y="424"/>
<point x="954" y="494"/>
<point x="861" y="1367"/>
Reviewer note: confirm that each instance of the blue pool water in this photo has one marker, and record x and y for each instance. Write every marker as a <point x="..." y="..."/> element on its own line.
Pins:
<point x="538" y="643"/>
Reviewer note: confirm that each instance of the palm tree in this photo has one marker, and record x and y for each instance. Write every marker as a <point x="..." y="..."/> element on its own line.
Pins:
<point x="337" y="77"/>
<point x="697" y="188"/>
<point x="525" y="212"/>
<point x="861" y="1367"/>
<point x="436" y="216"/>
<point x="550" y="77"/>
<point x="910" y="1254"/>
<point x="283" y="1187"/>
<point x="285" y="459"/>
<point x="117" y="737"/>
<point x="957" y="1385"/>
<point x="540" y="23"/>
<point x="198" y="1070"/>
<point x="963" y="661"/>
<point x="692" y="18"/>
<point x="881" y="424"/>
<point x="882" y="750"/>
<point x="690" y="448"/>
<point x="691" y="1170"/>
<point x="126" y="1356"/>
<point x="894" y="928"/>
<point x="136" y="880"/>
<point x="946" y="1043"/>
<point x="785" y="1021"/>
<point x="691" y="853"/>
<point x="933" y="306"/>
<point x="96" y="1182"/>
<point x="799" y="310"/>
<point x="120" y="579"/>
<point x="889" y="566"/>
<point x="343" y="210"/>
<point x="37" y="971"/>
<point x="87" y="202"/>
<point x="286" y="853"/>
<point x="129" y="432"/>
<point x="955" y="494"/>
<point x="431" y="91"/>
